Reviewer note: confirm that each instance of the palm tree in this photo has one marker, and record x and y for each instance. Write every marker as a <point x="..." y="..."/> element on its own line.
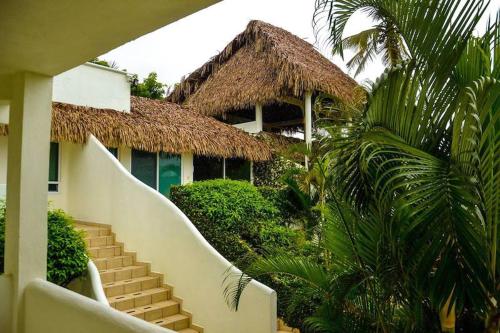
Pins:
<point x="383" y="38"/>
<point x="420" y="169"/>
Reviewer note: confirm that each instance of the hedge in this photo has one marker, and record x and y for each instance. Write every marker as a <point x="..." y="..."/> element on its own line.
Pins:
<point x="66" y="252"/>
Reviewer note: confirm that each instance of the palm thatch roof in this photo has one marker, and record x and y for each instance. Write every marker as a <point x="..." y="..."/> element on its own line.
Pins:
<point x="155" y="126"/>
<point x="279" y="144"/>
<point x="4" y="130"/>
<point x="264" y="64"/>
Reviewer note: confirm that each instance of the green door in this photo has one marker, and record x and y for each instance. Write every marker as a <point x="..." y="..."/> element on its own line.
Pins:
<point x="169" y="166"/>
<point x="144" y="167"/>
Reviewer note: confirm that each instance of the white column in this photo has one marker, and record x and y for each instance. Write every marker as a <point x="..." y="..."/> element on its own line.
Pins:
<point x="187" y="167"/>
<point x="125" y="157"/>
<point x="252" y="176"/>
<point x="27" y="177"/>
<point x="258" y="118"/>
<point x="308" y="120"/>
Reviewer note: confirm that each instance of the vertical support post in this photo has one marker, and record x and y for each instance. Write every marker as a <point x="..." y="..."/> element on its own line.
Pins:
<point x="259" y="118"/>
<point x="308" y="122"/>
<point x="223" y="168"/>
<point x="187" y="165"/>
<point x="252" y="176"/>
<point x="27" y="177"/>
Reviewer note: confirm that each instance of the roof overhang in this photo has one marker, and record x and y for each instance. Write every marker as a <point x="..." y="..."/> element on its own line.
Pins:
<point x="51" y="36"/>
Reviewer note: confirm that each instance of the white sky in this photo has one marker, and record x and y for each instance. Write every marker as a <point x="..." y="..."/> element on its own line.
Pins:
<point x="183" y="46"/>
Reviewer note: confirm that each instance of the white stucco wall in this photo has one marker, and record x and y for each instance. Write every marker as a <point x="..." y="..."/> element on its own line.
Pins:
<point x="125" y="157"/>
<point x="251" y="127"/>
<point x="103" y="191"/>
<point x="4" y="113"/>
<point x="95" y="86"/>
<point x="5" y="302"/>
<point x="3" y="165"/>
<point x="50" y="309"/>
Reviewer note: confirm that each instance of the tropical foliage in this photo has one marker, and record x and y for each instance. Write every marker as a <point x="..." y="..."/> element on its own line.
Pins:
<point x="235" y="218"/>
<point x="243" y="222"/>
<point x="105" y="63"/>
<point x="410" y="230"/>
<point x="150" y="87"/>
<point x="66" y="251"/>
<point x="381" y="39"/>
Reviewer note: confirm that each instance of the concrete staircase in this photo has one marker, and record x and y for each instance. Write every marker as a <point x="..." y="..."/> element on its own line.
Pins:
<point x="130" y="286"/>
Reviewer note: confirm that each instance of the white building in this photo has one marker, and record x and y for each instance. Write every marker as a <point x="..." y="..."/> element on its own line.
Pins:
<point x="40" y="40"/>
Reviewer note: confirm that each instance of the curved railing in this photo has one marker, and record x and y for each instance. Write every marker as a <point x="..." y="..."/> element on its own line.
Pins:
<point x="96" y="290"/>
<point x="101" y="190"/>
<point x="50" y="308"/>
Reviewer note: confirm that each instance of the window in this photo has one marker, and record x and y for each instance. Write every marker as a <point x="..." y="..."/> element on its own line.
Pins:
<point x="54" y="167"/>
<point x="169" y="172"/>
<point x="113" y="151"/>
<point x="144" y="167"/>
<point x="207" y="168"/>
<point x="160" y="171"/>
<point x="237" y="169"/>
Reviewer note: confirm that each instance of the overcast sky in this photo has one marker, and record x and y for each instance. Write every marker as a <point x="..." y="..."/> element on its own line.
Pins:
<point x="183" y="46"/>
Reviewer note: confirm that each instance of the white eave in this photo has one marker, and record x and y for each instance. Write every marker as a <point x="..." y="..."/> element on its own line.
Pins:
<point x="51" y="36"/>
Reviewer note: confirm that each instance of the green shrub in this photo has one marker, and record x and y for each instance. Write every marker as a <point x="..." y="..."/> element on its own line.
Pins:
<point x="270" y="173"/>
<point x="230" y="214"/>
<point x="66" y="253"/>
<point x="241" y="222"/>
<point x="282" y="200"/>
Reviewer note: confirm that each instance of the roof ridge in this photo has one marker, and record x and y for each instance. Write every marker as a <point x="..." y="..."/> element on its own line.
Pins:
<point x="297" y="65"/>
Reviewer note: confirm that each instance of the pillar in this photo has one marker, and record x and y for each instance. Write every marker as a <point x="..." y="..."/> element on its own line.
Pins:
<point x="27" y="177"/>
<point x="308" y="121"/>
<point x="258" y="118"/>
<point x="187" y="165"/>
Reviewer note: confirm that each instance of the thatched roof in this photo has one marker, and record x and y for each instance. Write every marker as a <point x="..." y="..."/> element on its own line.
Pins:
<point x="263" y="64"/>
<point x="4" y="129"/>
<point x="155" y="126"/>
<point x="279" y="144"/>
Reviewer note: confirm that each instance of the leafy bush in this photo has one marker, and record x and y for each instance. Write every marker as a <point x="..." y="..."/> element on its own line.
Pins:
<point x="270" y="173"/>
<point x="66" y="253"/>
<point x="282" y="200"/>
<point x="244" y="222"/>
<point x="230" y="214"/>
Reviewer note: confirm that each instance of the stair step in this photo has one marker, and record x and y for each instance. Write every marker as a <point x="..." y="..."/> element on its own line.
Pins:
<point x="140" y="298"/>
<point x="155" y="311"/>
<point x="131" y="285"/>
<point x="128" y="285"/>
<point x="97" y="241"/>
<point x="93" y="231"/>
<point x="123" y="273"/>
<point x="176" y="322"/>
<point x="105" y="251"/>
<point x="113" y="262"/>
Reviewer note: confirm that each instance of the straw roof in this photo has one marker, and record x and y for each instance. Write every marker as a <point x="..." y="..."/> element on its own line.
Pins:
<point x="263" y="64"/>
<point x="4" y="130"/>
<point x="155" y="126"/>
<point x="279" y="143"/>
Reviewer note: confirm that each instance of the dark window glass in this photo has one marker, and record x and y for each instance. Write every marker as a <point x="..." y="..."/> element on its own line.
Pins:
<point x="144" y="167"/>
<point x="53" y="187"/>
<point x="113" y="151"/>
<point x="237" y="169"/>
<point x="54" y="167"/>
<point x="169" y="172"/>
<point x="207" y="168"/>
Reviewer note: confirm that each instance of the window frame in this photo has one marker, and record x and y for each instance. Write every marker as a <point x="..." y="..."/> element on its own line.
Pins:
<point x="117" y="156"/>
<point x="58" y="181"/>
